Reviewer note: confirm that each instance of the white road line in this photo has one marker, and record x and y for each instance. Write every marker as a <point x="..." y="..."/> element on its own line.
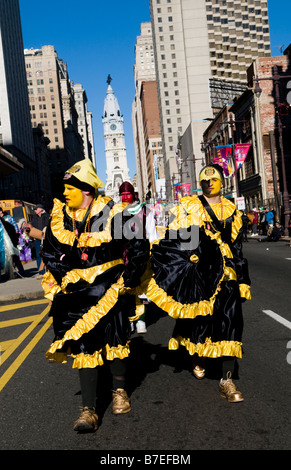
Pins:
<point x="288" y="259"/>
<point x="278" y="318"/>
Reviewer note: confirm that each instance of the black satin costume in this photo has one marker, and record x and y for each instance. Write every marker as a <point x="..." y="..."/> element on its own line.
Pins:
<point x="91" y="305"/>
<point x="202" y="285"/>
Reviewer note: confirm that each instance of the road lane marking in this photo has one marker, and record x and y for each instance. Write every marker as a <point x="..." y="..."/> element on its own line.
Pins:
<point x="278" y="318"/>
<point x="6" y="308"/>
<point x="17" y="321"/>
<point x="4" y="345"/>
<point x="21" y="338"/>
<point x="23" y="355"/>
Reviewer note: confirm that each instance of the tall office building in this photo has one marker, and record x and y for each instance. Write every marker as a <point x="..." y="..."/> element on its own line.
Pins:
<point x="52" y="104"/>
<point x="145" y="117"/>
<point x="202" y="50"/>
<point x="84" y="122"/>
<point x="15" y="127"/>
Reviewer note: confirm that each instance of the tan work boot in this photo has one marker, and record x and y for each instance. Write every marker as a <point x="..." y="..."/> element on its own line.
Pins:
<point x="228" y="390"/>
<point x="87" y="421"/>
<point x="121" y="402"/>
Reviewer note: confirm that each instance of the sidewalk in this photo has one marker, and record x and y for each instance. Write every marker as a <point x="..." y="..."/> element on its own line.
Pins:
<point x="22" y="288"/>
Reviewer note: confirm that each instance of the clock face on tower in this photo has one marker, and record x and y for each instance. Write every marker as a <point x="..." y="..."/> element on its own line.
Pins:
<point x="113" y="127"/>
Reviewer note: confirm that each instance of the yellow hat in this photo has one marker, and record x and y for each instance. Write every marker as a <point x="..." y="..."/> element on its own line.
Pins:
<point x="82" y="175"/>
<point x="209" y="172"/>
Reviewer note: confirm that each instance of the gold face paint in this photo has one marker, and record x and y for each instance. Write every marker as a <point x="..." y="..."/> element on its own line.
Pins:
<point x="211" y="188"/>
<point x="74" y="197"/>
<point x="214" y="187"/>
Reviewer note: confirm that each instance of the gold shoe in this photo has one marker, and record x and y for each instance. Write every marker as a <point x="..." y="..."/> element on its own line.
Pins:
<point x="87" y="421"/>
<point x="199" y="372"/>
<point x="228" y="390"/>
<point x="198" y="369"/>
<point x="121" y="402"/>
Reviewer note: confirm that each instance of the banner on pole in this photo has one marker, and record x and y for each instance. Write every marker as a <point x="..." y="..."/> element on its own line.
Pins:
<point x="224" y="157"/>
<point x="241" y="151"/>
<point x="181" y="190"/>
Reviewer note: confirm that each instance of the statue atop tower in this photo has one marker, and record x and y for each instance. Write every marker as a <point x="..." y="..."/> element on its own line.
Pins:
<point x="115" y="150"/>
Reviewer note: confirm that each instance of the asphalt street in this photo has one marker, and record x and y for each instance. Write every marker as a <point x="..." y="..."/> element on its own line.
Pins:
<point x="171" y="410"/>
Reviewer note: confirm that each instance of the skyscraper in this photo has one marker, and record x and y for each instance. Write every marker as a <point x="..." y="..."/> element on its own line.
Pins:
<point x="145" y="117"/>
<point x="15" y="126"/>
<point x="52" y="104"/>
<point x="202" y="50"/>
<point x="84" y="122"/>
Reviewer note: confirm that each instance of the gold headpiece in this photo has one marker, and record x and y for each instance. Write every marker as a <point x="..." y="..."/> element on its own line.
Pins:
<point x="83" y="174"/>
<point x="208" y="173"/>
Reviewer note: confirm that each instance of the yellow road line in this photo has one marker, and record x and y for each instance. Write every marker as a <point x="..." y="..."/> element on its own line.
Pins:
<point x="17" y="321"/>
<point x="5" y="345"/>
<point x="21" y="358"/>
<point x="22" y="337"/>
<point x="6" y="308"/>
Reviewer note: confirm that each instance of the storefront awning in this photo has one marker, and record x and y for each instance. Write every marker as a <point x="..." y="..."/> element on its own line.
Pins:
<point x="8" y="163"/>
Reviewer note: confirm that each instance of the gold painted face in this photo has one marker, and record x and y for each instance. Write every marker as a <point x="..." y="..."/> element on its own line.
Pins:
<point x="74" y="197"/>
<point x="212" y="187"/>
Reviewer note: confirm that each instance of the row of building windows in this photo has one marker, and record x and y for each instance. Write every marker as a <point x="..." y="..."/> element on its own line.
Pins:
<point x="40" y="91"/>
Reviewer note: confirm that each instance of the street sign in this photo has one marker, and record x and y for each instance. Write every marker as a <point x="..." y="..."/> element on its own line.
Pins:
<point x="240" y="202"/>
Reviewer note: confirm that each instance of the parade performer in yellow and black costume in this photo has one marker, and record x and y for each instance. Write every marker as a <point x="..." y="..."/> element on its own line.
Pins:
<point x="87" y="282"/>
<point x="200" y="278"/>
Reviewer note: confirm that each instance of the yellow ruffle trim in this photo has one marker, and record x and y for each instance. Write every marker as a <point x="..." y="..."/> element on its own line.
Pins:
<point x="117" y="352"/>
<point x="90" y="319"/>
<point x="139" y="309"/>
<point x="175" y="309"/>
<point x="67" y="237"/>
<point x="190" y="211"/>
<point x="51" y="287"/>
<point x="245" y="291"/>
<point x="90" y="361"/>
<point x="208" y="349"/>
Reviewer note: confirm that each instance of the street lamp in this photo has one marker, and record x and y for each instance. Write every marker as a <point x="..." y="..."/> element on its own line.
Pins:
<point x="257" y="91"/>
<point x="231" y="123"/>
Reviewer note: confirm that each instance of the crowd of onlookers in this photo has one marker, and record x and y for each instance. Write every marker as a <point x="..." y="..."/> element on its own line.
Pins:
<point x="17" y="247"/>
<point x="262" y="223"/>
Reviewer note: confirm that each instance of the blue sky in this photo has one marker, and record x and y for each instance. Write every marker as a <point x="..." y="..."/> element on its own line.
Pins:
<point x="97" y="38"/>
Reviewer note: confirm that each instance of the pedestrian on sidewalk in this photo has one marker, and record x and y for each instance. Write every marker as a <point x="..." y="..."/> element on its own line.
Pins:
<point x="88" y="284"/>
<point x="255" y="223"/>
<point x="12" y="230"/>
<point x="270" y="217"/>
<point x="201" y="281"/>
<point x="24" y="242"/>
<point x="39" y="221"/>
<point x="274" y="233"/>
<point x="7" y="251"/>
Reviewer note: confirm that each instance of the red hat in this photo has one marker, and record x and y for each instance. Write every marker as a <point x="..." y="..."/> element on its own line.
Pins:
<point x="126" y="187"/>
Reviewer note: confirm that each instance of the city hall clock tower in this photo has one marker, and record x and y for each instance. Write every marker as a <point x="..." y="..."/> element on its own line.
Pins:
<point x="115" y="151"/>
